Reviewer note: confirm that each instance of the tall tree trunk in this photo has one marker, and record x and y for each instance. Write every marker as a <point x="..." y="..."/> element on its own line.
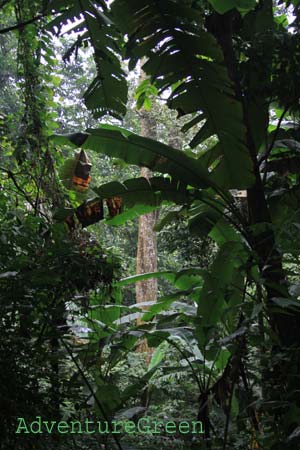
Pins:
<point x="146" y="260"/>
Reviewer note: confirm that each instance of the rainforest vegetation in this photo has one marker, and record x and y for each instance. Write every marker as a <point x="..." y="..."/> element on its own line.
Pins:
<point x="150" y="223"/>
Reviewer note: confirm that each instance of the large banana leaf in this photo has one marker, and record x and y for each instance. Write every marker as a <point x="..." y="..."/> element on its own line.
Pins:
<point x="223" y="289"/>
<point x="184" y="279"/>
<point x="107" y="94"/>
<point x="181" y="52"/>
<point x="149" y="192"/>
<point x="140" y="196"/>
<point x="133" y="149"/>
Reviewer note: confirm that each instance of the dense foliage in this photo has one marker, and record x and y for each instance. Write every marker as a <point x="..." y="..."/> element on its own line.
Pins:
<point x="224" y="331"/>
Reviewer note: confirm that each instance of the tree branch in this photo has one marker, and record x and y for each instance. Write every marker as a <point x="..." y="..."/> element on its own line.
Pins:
<point x="11" y="175"/>
<point x="89" y="386"/>
<point x="21" y="25"/>
<point x="267" y="153"/>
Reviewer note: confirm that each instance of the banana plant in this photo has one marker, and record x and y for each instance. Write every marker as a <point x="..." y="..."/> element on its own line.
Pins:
<point x="226" y="66"/>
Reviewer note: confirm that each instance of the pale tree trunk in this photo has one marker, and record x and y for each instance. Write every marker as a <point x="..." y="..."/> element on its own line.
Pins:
<point x="146" y="260"/>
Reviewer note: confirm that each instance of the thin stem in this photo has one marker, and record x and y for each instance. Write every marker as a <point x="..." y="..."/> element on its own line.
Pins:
<point x="11" y="175"/>
<point x="198" y="381"/>
<point x="91" y="390"/>
<point x="268" y="152"/>
<point x="265" y="156"/>
<point x="228" y="418"/>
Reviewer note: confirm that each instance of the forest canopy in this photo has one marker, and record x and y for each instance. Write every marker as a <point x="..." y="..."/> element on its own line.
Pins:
<point x="165" y="132"/>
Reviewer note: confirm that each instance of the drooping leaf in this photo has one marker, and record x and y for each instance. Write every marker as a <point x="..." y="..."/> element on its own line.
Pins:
<point x="133" y="149"/>
<point x="184" y="279"/>
<point x="170" y="217"/>
<point x="107" y="94"/>
<point x="178" y="50"/>
<point x="203" y="218"/>
<point x="168" y="275"/>
<point x="148" y="192"/>
<point x="109" y="397"/>
<point x="222" y="6"/>
<point x="140" y="196"/>
<point x="221" y="288"/>
<point x="131" y="413"/>
<point x="163" y="304"/>
<point x="157" y="356"/>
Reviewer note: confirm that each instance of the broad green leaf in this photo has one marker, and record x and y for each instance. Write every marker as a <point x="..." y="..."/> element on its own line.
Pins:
<point x="223" y="232"/>
<point x="168" y="275"/>
<point x="148" y="192"/>
<point x="163" y="304"/>
<point x="222" y="6"/>
<point x="141" y="195"/>
<point x="131" y="413"/>
<point x="107" y="94"/>
<point x="184" y="279"/>
<point x="219" y="285"/>
<point x="130" y="214"/>
<point x="157" y="356"/>
<point x="183" y="334"/>
<point x="222" y="359"/>
<point x="178" y="51"/>
<point x="107" y="314"/>
<point x="233" y="336"/>
<point x="133" y="149"/>
<point x="170" y="217"/>
<point x="204" y="217"/>
<point x="133" y="317"/>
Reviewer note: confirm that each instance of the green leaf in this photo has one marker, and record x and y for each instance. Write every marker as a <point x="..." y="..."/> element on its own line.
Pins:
<point x="107" y="94"/>
<point x="224" y="232"/>
<point x="220" y="283"/>
<point x="106" y="314"/>
<point x="131" y="413"/>
<point x="170" y="217"/>
<point x="191" y="59"/>
<point x="141" y="195"/>
<point x="133" y="149"/>
<point x="203" y="218"/>
<point x="168" y="275"/>
<point x="183" y="334"/>
<point x="163" y="304"/>
<point x="222" y="6"/>
<point x="157" y="356"/>
<point x="152" y="191"/>
<point x="184" y="279"/>
<point x="130" y="214"/>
